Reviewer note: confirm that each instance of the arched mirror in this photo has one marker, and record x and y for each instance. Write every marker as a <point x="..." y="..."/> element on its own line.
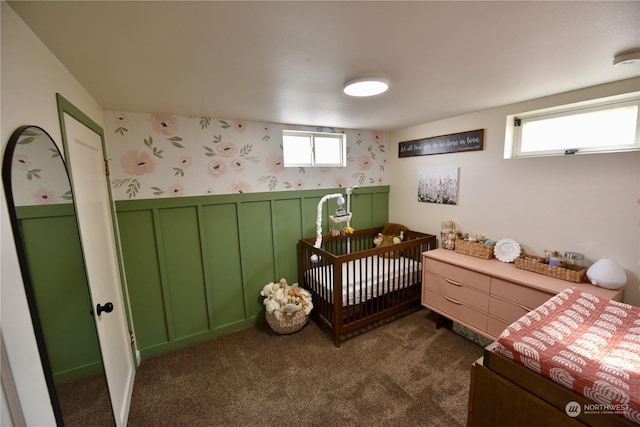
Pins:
<point x="46" y="235"/>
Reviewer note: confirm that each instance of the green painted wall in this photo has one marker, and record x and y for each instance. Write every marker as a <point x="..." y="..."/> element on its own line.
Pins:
<point x="56" y="266"/>
<point x="195" y="265"/>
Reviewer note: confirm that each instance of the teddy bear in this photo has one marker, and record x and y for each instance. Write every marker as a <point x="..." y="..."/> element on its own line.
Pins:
<point x="381" y="240"/>
<point x="392" y="234"/>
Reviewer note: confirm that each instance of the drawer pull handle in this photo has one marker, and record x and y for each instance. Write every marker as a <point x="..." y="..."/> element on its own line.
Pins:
<point x="453" y="282"/>
<point x="452" y="300"/>
<point x="525" y="308"/>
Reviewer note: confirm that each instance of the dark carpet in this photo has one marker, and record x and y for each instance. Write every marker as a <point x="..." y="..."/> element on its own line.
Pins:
<point x="404" y="372"/>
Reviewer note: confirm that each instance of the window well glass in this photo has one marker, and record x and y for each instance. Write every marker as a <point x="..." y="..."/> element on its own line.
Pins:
<point x="309" y="149"/>
<point x="590" y="127"/>
<point x="297" y="149"/>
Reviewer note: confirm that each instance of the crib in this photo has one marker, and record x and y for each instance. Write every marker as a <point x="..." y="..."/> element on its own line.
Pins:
<point x="354" y="284"/>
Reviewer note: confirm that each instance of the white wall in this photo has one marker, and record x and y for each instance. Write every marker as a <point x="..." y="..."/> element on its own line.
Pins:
<point x="584" y="203"/>
<point x="31" y="76"/>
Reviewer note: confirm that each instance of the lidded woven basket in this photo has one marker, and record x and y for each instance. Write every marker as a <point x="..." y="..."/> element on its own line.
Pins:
<point x="287" y="324"/>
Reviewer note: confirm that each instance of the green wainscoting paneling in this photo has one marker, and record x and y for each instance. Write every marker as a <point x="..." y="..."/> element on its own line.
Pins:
<point x="147" y="297"/>
<point x="287" y="227"/>
<point x="221" y="250"/>
<point x="56" y="267"/>
<point x="256" y="252"/>
<point x="181" y="261"/>
<point x="195" y="265"/>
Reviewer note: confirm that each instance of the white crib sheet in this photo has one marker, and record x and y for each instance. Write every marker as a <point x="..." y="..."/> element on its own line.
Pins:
<point x="388" y="272"/>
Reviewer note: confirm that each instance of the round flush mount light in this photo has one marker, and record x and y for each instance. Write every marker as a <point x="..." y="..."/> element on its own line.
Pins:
<point x="627" y="58"/>
<point x="366" y="86"/>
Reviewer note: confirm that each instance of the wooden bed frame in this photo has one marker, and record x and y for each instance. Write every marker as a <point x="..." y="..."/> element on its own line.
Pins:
<point x="503" y="392"/>
<point x="392" y="295"/>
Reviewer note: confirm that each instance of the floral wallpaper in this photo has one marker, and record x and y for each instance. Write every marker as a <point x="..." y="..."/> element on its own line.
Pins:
<point x="163" y="155"/>
<point x="38" y="175"/>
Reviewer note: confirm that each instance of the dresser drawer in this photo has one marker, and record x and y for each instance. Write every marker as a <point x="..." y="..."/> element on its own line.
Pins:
<point x="506" y="310"/>
<point x="521" y="295"/>
<point x="458" y="274"/>
<point x="455" y="310"/>
<point x="456" y="291"/>
<point x="495" y="327"/>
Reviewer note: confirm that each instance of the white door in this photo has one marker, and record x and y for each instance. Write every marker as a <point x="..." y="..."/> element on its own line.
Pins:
<point x="87" y="170"/>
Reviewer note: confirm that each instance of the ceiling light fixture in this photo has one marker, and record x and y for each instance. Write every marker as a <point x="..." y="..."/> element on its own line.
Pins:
<point x="366" y="86"/>
<point x="627" y="58"/>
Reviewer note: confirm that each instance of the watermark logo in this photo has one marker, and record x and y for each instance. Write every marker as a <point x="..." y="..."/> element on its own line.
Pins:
<point x="605" y="408"/>
<point x="573" y="409"/>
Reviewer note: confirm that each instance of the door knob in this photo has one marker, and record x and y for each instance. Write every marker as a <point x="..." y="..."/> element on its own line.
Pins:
<point x="107" y="308"/>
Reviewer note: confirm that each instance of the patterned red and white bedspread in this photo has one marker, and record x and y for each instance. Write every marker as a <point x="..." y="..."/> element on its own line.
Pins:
<point x="587" y="344"/>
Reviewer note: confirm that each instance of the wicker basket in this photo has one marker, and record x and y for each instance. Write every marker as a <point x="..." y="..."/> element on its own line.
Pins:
<point x="287" y="324"/>
<point x="563" y="271"/>
<point x="479" y="250"/>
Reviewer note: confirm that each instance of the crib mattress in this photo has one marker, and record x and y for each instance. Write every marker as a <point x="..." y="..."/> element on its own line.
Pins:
<point x="367" y="278"/>
<point x="585" y="343"/>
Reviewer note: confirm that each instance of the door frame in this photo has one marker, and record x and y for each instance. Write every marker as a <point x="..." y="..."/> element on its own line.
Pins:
<point x="66" y="107"/>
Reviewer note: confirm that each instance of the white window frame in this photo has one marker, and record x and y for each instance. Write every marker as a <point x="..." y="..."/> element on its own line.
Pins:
<point x="513" y="135"/>
<point x="340" y="150"/>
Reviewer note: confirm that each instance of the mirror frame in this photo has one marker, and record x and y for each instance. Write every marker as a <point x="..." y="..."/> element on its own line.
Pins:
<point x="7" y="162"/>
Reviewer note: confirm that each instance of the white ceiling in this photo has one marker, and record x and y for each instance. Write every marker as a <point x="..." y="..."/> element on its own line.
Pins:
<point x="286" y="62"/>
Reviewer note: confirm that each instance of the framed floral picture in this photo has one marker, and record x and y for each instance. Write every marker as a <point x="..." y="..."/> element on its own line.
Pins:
<point x="438" y="185"/>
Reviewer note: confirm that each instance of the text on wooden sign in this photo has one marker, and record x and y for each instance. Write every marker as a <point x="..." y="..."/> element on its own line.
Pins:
<point x="472" y="140"/>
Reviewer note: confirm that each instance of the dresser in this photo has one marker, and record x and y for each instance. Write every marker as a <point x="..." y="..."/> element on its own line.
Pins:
<point x="486" y="296"/>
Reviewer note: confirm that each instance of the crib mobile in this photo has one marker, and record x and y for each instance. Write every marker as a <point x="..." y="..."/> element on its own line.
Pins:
<point x="341" y="216"/>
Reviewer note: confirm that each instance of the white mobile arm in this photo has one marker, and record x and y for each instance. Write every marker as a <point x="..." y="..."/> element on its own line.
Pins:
<point x="335" y="219"/>
<point x="319" y="217"/>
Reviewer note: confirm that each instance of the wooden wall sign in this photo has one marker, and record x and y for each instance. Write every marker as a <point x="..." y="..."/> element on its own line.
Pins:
<point x="472" y="140"/>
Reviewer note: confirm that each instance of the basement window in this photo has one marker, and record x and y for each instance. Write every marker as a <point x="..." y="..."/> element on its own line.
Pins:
<point x="314" y="149"/>
<point x="603" y="125"/>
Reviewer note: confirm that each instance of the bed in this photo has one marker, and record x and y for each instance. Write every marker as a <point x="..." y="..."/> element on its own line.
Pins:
<point x="354" y="284"/>
<point x="574" y="360"/>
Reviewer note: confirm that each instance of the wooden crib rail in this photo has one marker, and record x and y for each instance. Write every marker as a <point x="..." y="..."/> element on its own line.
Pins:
<point x="352" y="256"/>
<point x="362" y="240"/>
